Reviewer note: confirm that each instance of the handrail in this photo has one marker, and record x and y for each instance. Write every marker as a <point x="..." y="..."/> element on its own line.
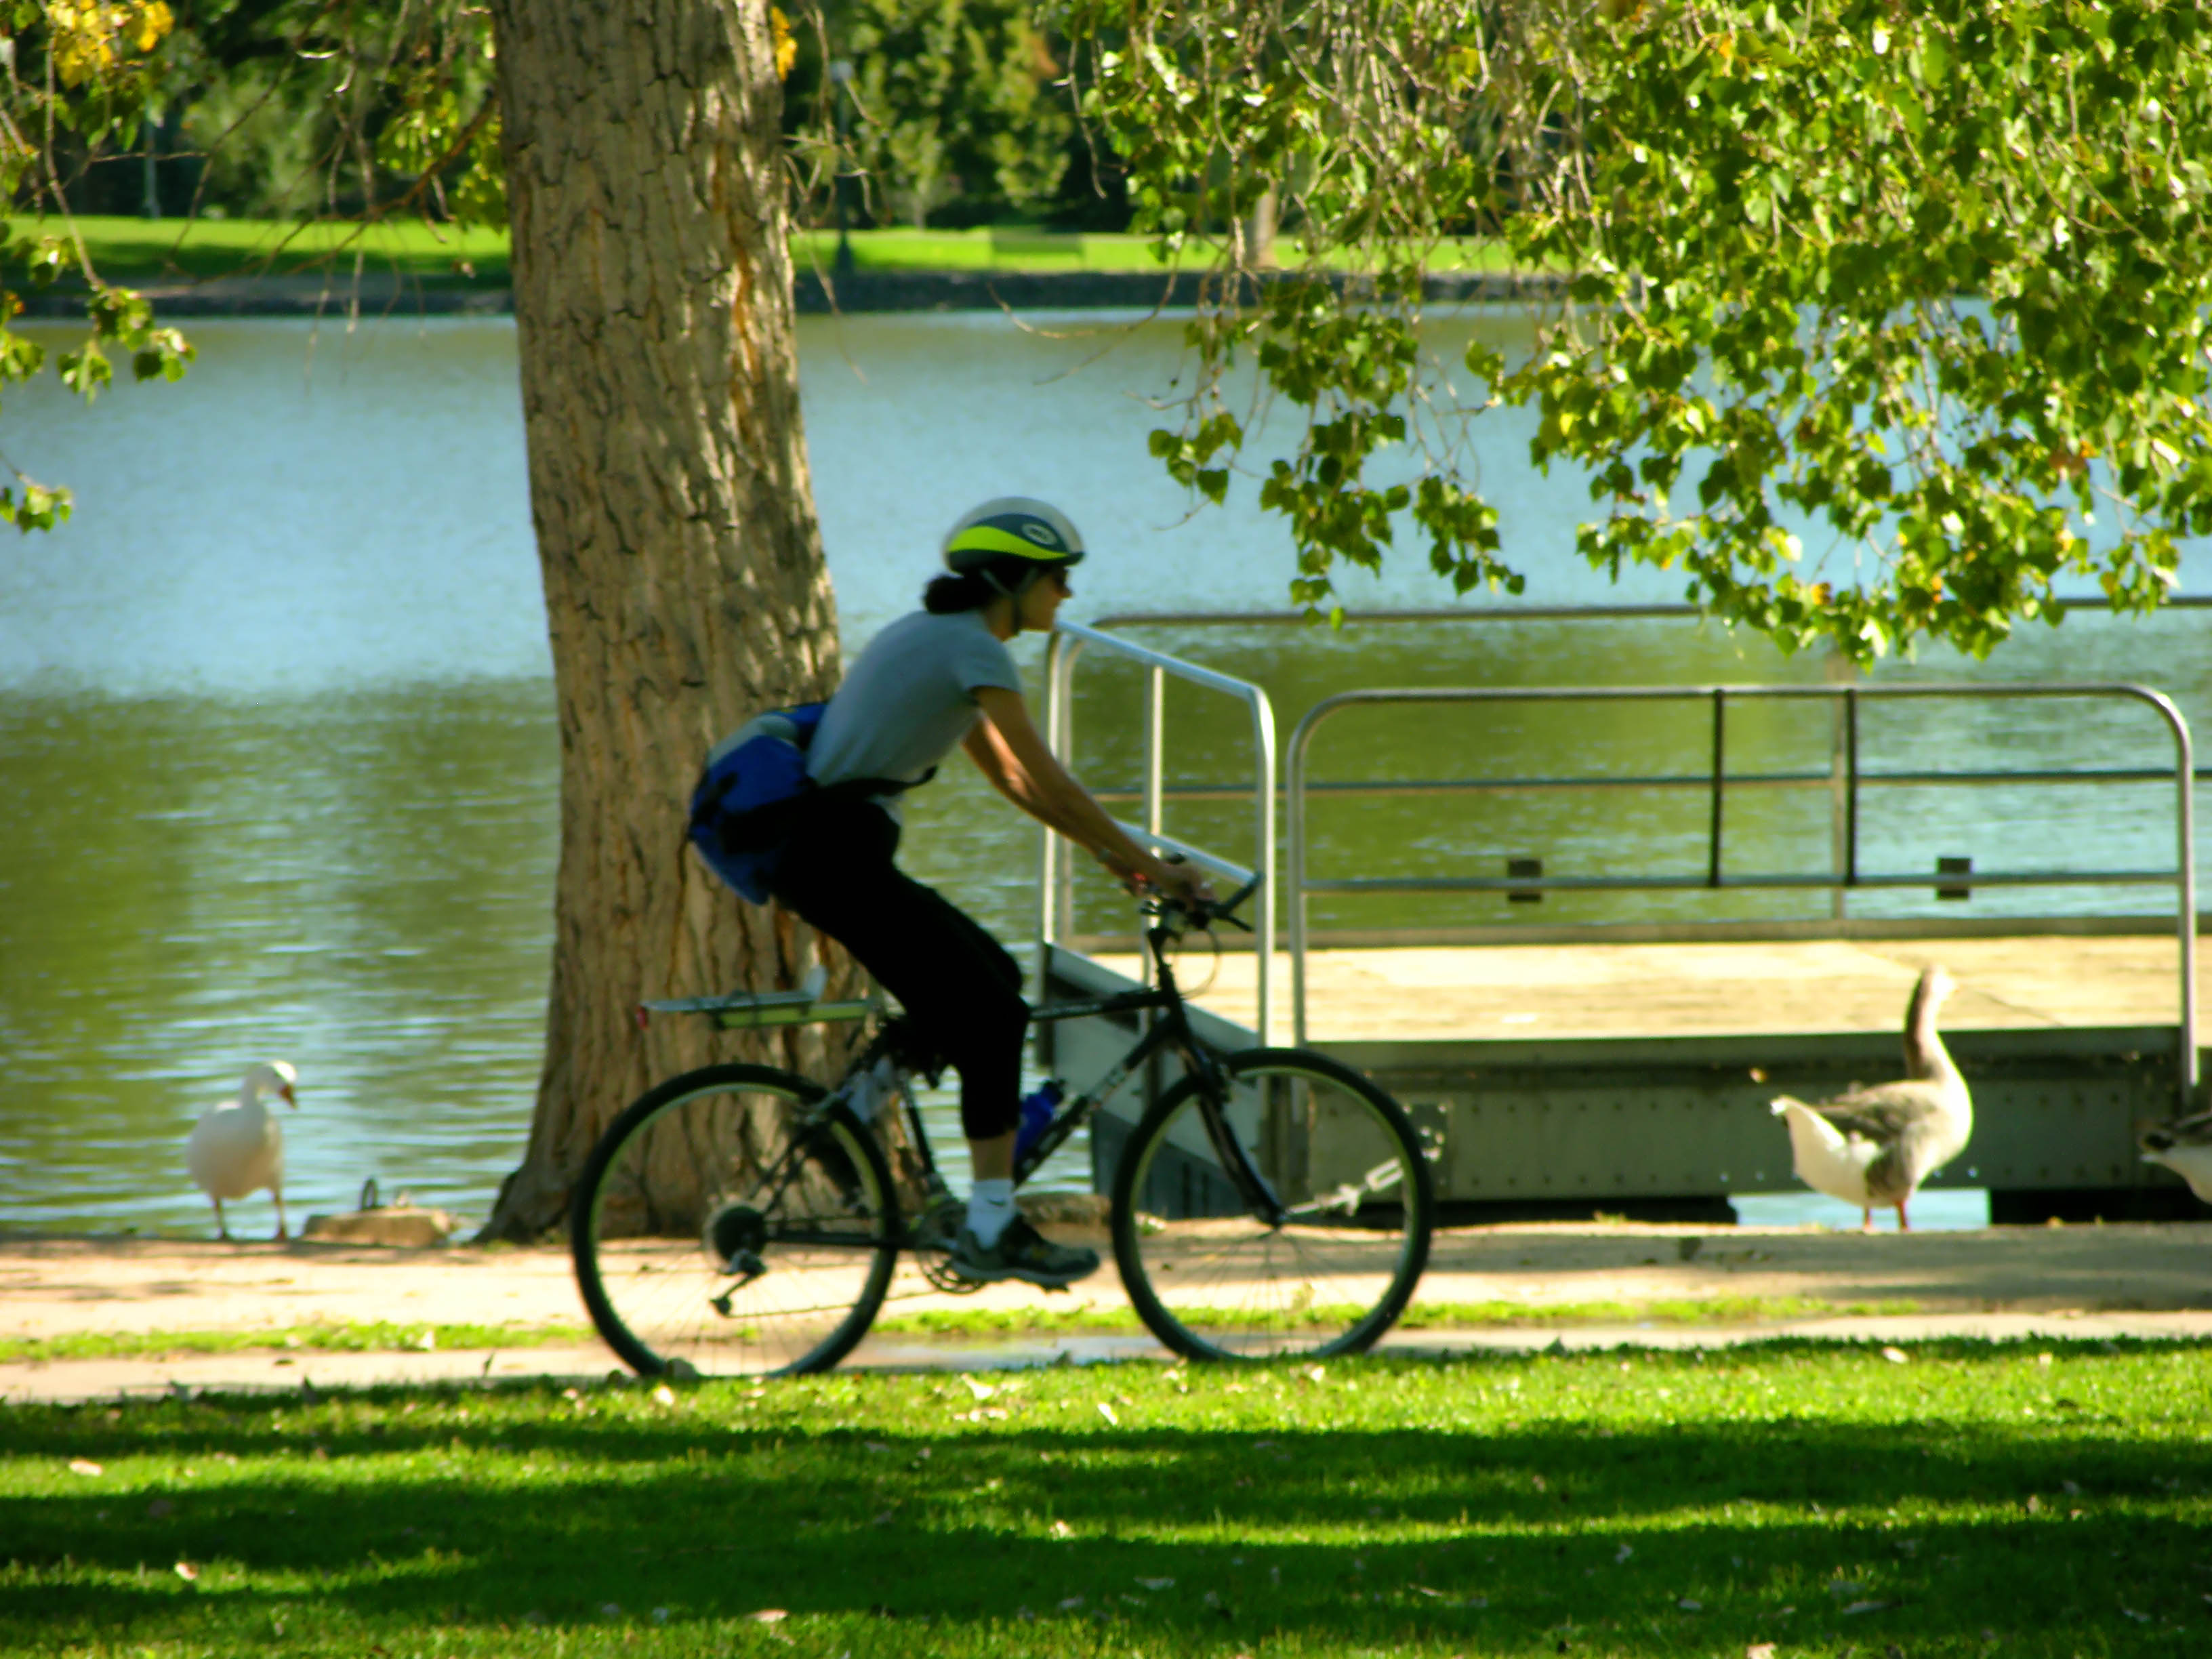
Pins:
<point x="1716" y="782"/>
<point x="1654" y="610"/>
<point x="1057" y="887"/>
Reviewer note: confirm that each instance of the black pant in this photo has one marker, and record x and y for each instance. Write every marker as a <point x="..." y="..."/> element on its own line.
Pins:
<point x="956" y="981"/>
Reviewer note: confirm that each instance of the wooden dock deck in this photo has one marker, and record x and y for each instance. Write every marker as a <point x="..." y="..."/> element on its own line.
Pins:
<point x="1431" y="993"/>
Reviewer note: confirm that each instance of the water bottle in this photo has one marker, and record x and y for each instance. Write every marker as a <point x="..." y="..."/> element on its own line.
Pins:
<point x="1038" y="1107"/>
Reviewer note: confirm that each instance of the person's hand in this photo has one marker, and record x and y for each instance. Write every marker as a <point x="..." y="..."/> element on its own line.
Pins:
<point x="1183" y="882"/>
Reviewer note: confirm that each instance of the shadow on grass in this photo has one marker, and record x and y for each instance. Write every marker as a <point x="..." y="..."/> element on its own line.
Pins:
<point x="1509" y="1534"/>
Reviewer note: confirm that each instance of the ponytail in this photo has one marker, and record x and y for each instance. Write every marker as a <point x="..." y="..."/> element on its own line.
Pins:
<point x="973" y="590"/>
<point x="948" y="595"/>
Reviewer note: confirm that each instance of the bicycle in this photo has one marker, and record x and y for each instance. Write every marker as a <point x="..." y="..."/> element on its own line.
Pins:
<point x="742" y="1219"/>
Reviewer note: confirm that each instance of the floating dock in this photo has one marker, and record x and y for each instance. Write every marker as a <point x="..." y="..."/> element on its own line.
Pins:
<point x="1628" y="1069"/>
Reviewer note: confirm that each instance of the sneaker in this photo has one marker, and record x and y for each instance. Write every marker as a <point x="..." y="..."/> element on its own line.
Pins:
<point x="1023" y="1253"/>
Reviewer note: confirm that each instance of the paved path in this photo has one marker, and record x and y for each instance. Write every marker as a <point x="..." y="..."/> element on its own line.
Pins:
<point x="2142" y="1280"/>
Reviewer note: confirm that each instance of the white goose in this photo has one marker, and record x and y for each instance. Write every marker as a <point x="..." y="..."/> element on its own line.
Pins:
<point x="238" y="1148"/>
<point x="2184" y="1147"/>
<point x="1876" y="1145"/>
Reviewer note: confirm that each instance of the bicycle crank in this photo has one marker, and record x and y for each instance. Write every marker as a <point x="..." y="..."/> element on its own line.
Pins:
<point x="933" y="1235"/>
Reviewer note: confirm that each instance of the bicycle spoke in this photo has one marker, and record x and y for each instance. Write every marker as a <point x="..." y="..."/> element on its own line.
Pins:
<point x="1332" y="1265"/>
<point x="731" y="1226"/>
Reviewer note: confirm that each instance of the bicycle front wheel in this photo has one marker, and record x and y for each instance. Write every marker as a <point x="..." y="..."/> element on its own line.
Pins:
<point x="728" y="1224"/>
<point x="1290" y="1217"/>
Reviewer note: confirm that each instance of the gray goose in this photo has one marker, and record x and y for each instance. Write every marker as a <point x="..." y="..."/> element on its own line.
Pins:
<point x="1875" y="1147"/>
<point x="2184" y="1147"/>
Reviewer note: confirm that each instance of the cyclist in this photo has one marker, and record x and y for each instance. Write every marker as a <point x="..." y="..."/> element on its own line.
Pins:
<point x="942" y="676"/>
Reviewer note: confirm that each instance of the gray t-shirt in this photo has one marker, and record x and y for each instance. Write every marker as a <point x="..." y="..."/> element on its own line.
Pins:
<point x="909" y="698"/>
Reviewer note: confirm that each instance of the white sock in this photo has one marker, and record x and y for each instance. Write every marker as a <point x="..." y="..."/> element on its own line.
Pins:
<point x="990" y="1207"/>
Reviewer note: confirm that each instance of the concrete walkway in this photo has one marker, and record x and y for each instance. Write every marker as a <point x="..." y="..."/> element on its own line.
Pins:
<point x="2146" y="1281"/>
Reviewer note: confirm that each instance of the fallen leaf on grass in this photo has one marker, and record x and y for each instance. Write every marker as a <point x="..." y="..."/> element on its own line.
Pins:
<point x="1106" y="1412"/>
<point x="85" y="1466"/>
<point x="1895" y="1356"/>
<point x="981" y="1390"/>
<point x="769" y="1616"/>
<point x="187" y="1571"/>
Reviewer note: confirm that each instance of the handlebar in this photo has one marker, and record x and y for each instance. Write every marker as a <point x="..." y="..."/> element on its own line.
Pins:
<point x="1177" y="914"/>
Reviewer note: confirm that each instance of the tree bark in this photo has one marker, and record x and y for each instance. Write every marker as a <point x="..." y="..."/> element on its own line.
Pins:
<point x="684" y="582"/>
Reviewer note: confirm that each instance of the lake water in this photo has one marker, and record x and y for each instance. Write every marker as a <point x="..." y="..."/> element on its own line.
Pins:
<point x="278" y="769"/>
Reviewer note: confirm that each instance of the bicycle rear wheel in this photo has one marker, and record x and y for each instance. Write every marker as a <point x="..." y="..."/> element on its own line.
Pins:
<point x="1312" y="1247"/>
<point x="726" y="1226"/>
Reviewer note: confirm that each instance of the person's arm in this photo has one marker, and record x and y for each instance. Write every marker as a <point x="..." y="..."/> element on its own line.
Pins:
<point x="1007" y="749"/>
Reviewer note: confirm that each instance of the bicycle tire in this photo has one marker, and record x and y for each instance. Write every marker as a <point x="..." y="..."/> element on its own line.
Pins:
<point x="1328" y="1280"/>
<point x="705" y="1167"/>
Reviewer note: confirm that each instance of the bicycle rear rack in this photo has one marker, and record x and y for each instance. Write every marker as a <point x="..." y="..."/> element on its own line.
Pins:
<point x="744" y="1011"/>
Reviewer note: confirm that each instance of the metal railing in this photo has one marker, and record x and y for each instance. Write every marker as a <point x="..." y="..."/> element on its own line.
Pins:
<point x="1716" y="783"/>
<point x="1057" y="888"/>
<point x="1661" y="610"/>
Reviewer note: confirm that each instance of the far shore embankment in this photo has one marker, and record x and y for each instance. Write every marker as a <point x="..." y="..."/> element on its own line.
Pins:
<point x="340" y="293"/>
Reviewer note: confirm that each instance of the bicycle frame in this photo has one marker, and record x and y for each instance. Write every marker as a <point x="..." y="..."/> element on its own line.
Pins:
<point x="1174" y="1031"/>
<point x="1171" y="1030"/>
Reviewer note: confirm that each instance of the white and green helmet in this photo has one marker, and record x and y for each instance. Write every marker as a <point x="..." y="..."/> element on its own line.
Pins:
<point x="1011" y="527"/>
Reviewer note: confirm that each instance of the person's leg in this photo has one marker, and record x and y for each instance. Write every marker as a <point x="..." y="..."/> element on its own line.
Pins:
<point x="962" y="989"/>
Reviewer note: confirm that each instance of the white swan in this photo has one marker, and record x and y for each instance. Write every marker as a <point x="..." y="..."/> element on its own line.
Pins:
<point x="238" y="1148"/>
<point x="2184" y="1147"/>
<point x="1876" y="1145"/>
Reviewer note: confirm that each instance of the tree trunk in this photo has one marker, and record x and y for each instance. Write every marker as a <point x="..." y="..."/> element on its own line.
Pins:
<point x="1258" y="229"/>
<point x="684" y="582"/>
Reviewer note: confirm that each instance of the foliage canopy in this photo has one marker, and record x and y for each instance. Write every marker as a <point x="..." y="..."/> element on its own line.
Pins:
<point x="1872" y="323"/>
<point x="954" y="97"/>
<point x="1872" y="308"/>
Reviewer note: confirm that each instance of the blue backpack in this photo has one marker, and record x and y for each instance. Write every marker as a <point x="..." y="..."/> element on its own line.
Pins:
<point x="754" y="793"/>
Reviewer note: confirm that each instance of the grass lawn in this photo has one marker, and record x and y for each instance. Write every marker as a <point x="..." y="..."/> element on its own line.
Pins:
<point x="1028" y="1319"/>
<point x="1420" y="1317"/>
<point x="1971" y="1500"/>
<point x="147" y="250"/>
<point x="141" y="251"/>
